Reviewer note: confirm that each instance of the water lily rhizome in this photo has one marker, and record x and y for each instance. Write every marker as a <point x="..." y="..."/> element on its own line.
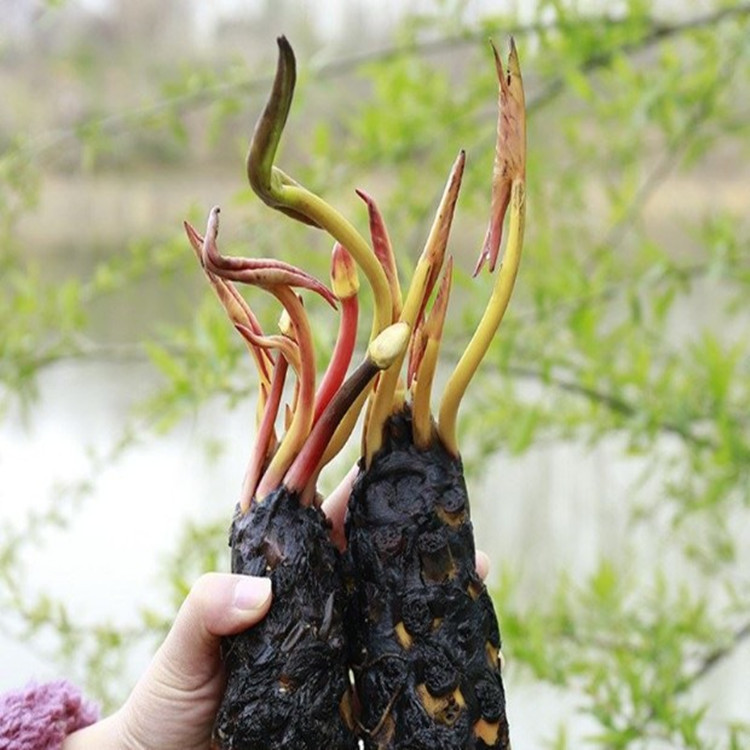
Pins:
<point x="403" y="610"/>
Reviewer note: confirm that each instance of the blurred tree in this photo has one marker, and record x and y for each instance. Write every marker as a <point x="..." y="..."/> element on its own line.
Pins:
<point x="166" y="25"/>
<point x="594" y="350"/>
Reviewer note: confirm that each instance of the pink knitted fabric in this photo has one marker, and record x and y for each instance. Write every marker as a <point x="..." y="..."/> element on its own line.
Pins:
<point x="39" y="717"/>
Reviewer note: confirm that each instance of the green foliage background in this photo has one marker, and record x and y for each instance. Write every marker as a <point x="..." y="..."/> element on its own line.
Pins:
<point x="624" y="102"/>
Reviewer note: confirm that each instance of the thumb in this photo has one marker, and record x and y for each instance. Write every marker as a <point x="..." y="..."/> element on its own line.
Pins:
<point x="218" y="604"/>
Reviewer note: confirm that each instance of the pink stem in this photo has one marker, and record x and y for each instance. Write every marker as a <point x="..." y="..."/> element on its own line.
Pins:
<point x="262" y="442"/>
<point x="301" y="424"/>
<point x="234" y="304"/>
<point x="288" y="347"/>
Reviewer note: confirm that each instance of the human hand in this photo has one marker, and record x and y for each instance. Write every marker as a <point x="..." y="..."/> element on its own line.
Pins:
<point x="173" y="705"/>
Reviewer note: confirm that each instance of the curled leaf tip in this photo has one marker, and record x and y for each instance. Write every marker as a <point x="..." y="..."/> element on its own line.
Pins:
<point x="270" y="125"/>
<point x="265" y="178"/>
<point x="510" y="152"/>
<point x="213" y="221"/>
<point x="437" y="242"/>
<point x="381" y="245"/>
<point x="263" y="272"/>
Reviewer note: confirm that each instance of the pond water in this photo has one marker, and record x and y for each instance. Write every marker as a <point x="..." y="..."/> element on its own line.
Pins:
<point x="560" y="507"/>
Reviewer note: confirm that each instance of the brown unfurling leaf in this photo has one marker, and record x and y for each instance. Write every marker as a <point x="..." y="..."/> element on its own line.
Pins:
<point x="510" y="152"/>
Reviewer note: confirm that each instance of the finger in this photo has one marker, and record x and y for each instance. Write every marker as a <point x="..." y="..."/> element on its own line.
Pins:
<point x="483" y="564"/>
<point x="218" y="604"/>
<point x="334" y="506"/>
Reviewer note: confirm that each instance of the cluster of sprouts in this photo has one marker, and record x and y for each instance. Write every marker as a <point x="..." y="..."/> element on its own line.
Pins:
<point x="404" y="327"/>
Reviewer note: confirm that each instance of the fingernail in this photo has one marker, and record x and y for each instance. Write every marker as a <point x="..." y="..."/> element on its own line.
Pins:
<point x="251" y="592"/>
<point x="483" y="563"/>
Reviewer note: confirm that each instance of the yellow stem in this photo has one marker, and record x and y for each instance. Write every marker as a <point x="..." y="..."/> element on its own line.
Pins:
<point x="421" y="415"/>
<point x="432" y="332"/>
<point x="302" y="200"/>
<point x="425" y="274"/>
<point x="302" y="420"/>
<point x="493" y="315"/>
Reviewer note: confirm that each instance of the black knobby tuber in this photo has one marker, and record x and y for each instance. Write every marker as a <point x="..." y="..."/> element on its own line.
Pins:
<point x="288" y="684"/>
<point x="425" y="640"/>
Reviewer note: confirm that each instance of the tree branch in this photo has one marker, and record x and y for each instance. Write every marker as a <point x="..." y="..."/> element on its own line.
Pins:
<point x="707" y="665"/>
<point x="346" y="65"/>
<point x="614" y="403"/>
<point x="714" y="658"/>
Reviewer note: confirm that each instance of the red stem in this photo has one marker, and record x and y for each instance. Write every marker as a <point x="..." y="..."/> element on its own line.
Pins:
<point x="341" y="357"/>
<point x="308" y="458"/>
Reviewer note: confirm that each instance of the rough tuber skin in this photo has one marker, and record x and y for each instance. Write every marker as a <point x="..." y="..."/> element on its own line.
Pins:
<point x="424" y="635"/>
<point x="287" y="677"/>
